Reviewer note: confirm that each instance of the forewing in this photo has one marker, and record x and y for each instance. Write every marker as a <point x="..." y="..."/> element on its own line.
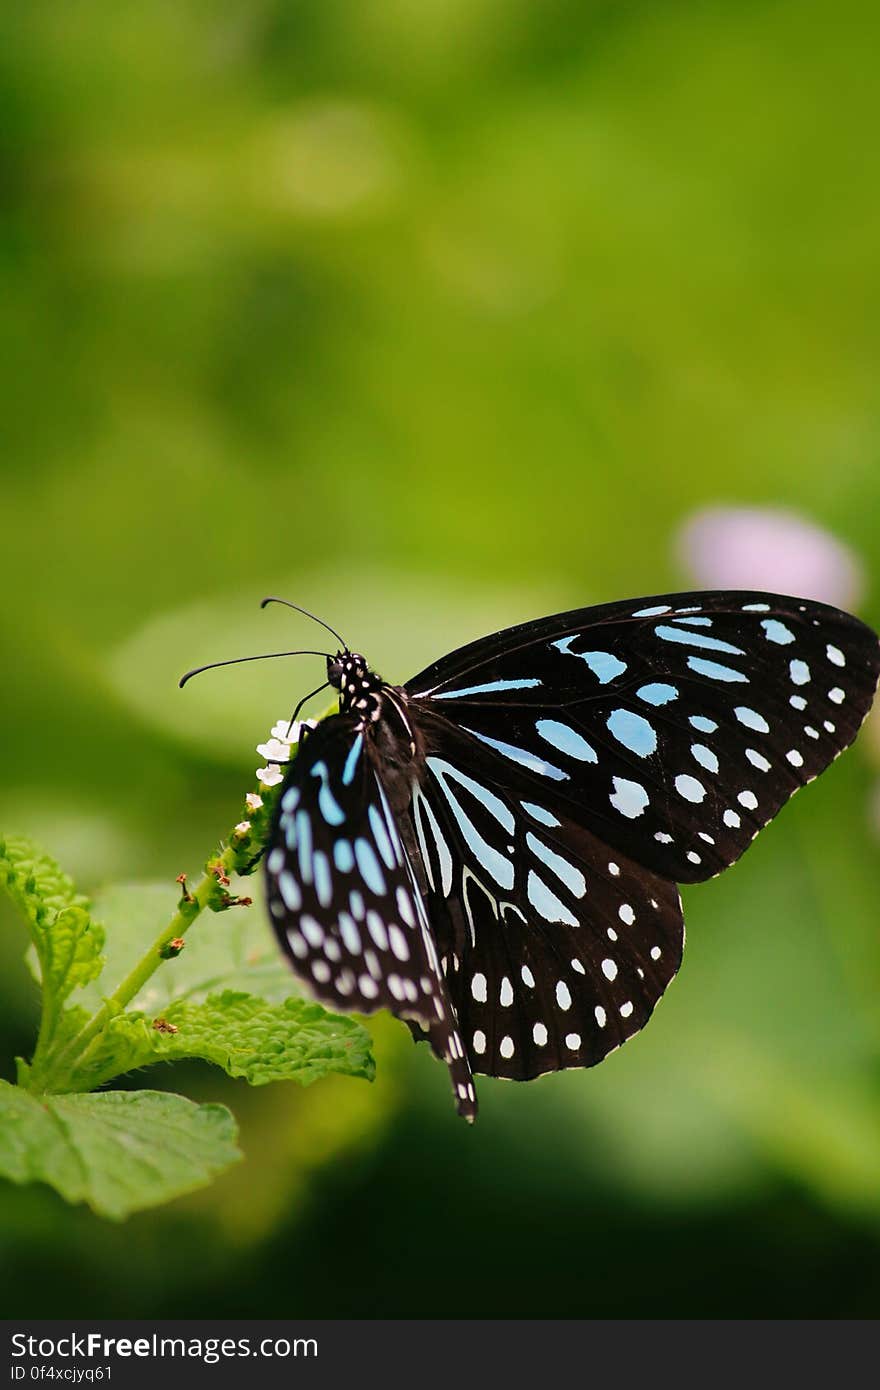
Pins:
<point x="342" y="896"/>
<point x="555" y="948"/>
<point x="673" y="728"/>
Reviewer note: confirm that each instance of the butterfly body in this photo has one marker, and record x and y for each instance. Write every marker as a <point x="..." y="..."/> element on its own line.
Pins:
<point x="378" y="711"/>
<point x="492" y="850"/>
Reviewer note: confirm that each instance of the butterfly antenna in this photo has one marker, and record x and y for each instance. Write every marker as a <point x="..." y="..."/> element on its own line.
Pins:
<point x="307" y="614"/>
<point x="237" y="660"/>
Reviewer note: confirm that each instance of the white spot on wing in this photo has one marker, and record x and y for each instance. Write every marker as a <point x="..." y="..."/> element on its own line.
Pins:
<point x="689" y="788"/>
<point x="799" y="672"/>
<point x="751" y="719"/>
<point x="629" y="798"/>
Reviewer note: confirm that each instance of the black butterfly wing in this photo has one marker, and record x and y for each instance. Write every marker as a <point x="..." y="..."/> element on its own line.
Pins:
<point x="342" y="896"/>
<point x="555" y="948"/>
<point x="673" y="728"/>
<point x="567" y="773"/>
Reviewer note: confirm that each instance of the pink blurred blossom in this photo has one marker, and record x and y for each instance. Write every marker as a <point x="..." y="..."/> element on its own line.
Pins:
<point x="765" y="548"/>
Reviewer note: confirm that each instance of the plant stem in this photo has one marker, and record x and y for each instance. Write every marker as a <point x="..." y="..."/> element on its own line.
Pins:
<point x="48" y="1018"/>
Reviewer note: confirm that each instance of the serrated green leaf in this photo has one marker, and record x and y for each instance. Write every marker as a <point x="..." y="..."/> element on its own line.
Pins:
<point x="232" y="950"/>
<point x="295" y="1040"/>
<point x="39" y="887"/>
<point x="66" y="941"/>
<point x="71" y="955"/>
<point x="292" y="1041"/>
<point x="120" y="1151"/>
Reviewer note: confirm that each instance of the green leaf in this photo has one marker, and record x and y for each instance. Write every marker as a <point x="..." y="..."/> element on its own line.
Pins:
<point x="71" y="955"/>
<point x="66" y="942"/>
<point x="35" y="882"/>
<point x="119" y="1152"/>
<point x="246" y="1036"/>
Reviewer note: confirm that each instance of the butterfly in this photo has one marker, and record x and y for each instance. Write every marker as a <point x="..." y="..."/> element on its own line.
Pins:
<point x="492" y="850"/>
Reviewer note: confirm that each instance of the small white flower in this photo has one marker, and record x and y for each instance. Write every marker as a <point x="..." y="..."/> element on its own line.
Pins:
<point x="274" y="750"/>
<point x="270" y="776"/>
<point x="290" y="733"/>
<point x="243" y="828"/>
<point x="253" y="801"/>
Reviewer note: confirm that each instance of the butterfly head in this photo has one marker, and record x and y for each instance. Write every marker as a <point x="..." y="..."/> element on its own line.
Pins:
<point x="359" y="687"/>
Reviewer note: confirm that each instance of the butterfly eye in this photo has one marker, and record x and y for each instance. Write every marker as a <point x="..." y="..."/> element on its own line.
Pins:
<point x="334" y="671"/>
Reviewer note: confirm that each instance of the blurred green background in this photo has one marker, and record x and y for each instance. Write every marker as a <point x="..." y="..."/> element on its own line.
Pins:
<point x="435" y="315"/>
